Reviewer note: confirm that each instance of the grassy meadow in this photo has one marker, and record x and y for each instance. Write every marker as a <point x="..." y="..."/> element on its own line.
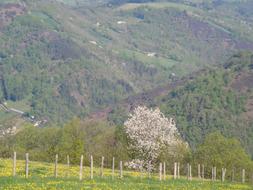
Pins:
<point x="41" y="178"/>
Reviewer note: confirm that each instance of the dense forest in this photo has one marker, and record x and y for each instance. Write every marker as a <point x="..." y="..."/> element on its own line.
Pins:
<point x="218" y="100"/>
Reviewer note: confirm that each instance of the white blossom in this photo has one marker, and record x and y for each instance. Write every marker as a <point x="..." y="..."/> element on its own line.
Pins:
<point x="149" y="131"/>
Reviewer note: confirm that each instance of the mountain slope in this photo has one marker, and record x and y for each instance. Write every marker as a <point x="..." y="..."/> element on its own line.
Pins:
<point x="61" y="61"/>
<point x="217" y="100"/>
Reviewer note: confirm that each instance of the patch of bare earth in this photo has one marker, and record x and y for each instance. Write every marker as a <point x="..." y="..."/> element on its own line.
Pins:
<point x="249" y="109"/>
<point x="243" y="82"/>
<point x="205" y="32"/>
<point x="81" y="100"/>
<point x="8" y="12"/>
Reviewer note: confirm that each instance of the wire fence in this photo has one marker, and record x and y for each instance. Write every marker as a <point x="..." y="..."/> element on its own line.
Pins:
<point x="116" y="169"/>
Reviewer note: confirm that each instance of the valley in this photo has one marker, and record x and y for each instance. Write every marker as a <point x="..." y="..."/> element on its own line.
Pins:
<point x="97" y="60"/>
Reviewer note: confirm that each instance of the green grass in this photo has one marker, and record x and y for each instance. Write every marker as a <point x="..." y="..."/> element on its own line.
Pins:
<point x="109" y="183"/>
<point x="8" y="1"/>
<point x="9" y="119"/>
<point x="41" y="177"/>
<point x="159" y="5"/>
<point x="145" y="59"/>
<point x="20" y="105"/>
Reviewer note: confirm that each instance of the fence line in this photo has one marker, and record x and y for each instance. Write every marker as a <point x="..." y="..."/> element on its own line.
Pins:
<point x="161" y="169"/>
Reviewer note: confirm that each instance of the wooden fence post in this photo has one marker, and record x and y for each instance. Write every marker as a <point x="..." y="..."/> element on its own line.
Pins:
<point x="199" y="175"/>
<point x="178" y="170"/>
<point x="223" y="174"/>
<point x="91" y="167"/>
<point x="121" y="169"/>
<point x="175" y="170"/>
<point x="190" y="172"/>
<point x="55" y="166"/>
<point x="113" y="166"/>
<point x="164" y="171"/>
<point x="214" y="173"/>
<point x="14" y="164"/>
<point x="203" y="171"/>
<point x="68" y="165"/>
<point x="81" y="169"/>
<point x="222" y="170"/>
<point x="102" y="167"/>
<point x="26" y="165"/>
<point x="243" y="176"/>
<point x="160" y="171"/>
<point x="233" y="175"/>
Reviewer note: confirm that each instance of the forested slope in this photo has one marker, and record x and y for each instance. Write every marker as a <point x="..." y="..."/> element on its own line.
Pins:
<point x="217" y="100"/>
<point x="58" y="61"/>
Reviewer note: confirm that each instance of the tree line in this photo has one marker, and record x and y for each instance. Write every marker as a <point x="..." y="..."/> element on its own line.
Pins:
<point x="101" y="139"/>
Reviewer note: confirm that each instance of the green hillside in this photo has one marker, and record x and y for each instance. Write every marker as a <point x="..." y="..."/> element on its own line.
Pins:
<point x="217" y="100"/>
<point x="61" y="61"/>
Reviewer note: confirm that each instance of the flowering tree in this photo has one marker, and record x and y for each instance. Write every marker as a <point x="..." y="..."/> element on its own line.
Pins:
<point x="149" y="132"/>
